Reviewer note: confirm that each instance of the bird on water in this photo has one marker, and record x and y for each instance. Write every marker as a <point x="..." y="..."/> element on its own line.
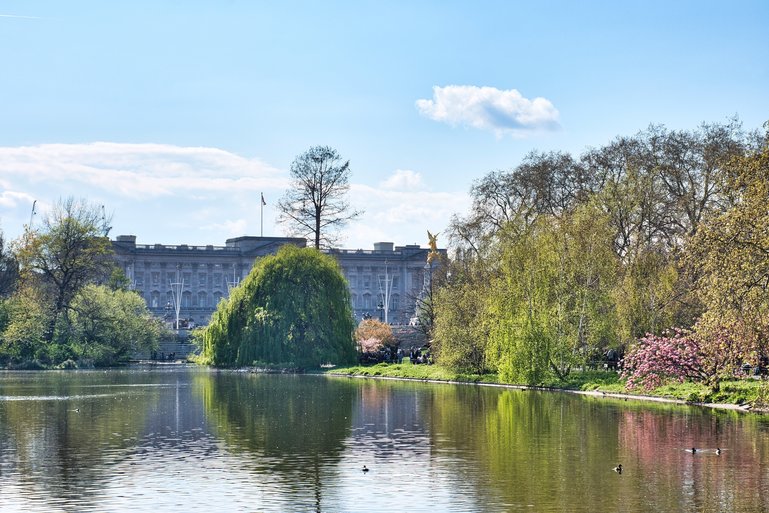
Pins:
<point x="618" y="469"/>
<point x="364" y="469"/>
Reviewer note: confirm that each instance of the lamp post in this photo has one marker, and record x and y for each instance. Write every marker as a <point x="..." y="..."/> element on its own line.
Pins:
<point x="177" y="289"/>
<point x="380" y="307"/>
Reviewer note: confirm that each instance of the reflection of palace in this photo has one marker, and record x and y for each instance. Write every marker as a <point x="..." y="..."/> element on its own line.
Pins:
<point x="384" y="282"/>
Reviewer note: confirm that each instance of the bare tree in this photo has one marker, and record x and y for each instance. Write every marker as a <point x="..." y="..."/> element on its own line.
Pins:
<point x="315" y="205"/>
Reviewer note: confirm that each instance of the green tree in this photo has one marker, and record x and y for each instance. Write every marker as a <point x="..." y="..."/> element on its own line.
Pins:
<point x="292" y="309"/>
<point x="549" y="306"/>
<point x="108" y="326"/>
<point x="70" y="250"/>
<point x="9" y="269"/>
<point x="729" y="257"/>
<point x="316" y="203"/>
<point x="26" y="319"/>
<point x="460" y="332"/>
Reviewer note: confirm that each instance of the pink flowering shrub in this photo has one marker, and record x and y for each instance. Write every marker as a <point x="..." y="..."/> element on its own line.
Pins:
<point x="370" y="345"/>
<point x="655" y="360"/>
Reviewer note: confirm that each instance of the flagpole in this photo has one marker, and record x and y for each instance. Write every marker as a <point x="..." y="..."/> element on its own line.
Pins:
<point x="261" y="215"/>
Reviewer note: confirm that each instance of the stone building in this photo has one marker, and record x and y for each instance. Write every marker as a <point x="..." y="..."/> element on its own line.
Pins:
<point x="384" y="282"/>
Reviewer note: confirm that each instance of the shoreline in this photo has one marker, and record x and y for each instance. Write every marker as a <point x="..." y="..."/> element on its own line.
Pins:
<point x="743" y="408"/>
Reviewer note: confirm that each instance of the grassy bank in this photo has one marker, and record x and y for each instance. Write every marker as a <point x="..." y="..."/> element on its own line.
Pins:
<point x="739" y="392"/>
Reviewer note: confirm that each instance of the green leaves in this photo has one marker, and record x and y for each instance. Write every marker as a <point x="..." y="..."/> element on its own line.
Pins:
<point x="293" y="309"/>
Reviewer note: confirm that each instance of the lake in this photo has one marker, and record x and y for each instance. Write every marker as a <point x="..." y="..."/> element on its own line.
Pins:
<point x="180" y="438"/>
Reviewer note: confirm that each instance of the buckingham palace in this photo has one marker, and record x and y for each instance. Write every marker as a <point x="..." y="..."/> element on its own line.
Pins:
<point x="384" y="281"/>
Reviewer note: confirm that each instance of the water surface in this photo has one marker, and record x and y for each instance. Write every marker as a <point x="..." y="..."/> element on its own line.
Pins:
<point x="190" y="439"/>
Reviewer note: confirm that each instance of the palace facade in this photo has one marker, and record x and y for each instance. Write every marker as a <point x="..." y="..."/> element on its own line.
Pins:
<point x="384" y="282"/>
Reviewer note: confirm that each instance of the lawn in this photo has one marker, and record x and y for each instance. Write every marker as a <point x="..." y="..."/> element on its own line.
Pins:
<point x="747" y="391"/>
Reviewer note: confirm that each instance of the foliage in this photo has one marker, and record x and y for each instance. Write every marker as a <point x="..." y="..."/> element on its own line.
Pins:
<point x="107" y="325"/>
<point x="549" y="307"/>
<point x="9" y="269"/>
<point x="726" y="347"/>
<point x="372" y="335"/>
<point x="57" y="315"/>
<point x="460" y="334"/>
<point x="293" y="308"/>
<point x="315" y="205"/>
<point x="561" y="258"/>
<point x="22" y="337"/>
<point x="646" y="295"/>
<point x="69" y="251"/>
<point x="729" y="256"/>
<point x="657" y="359"/>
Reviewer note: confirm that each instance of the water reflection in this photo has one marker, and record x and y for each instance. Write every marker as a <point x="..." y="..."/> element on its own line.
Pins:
<point x="195" y="440"/>
<point x="292" y="427"/>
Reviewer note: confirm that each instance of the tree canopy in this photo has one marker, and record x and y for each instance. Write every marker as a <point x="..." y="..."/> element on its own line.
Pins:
<point x="68" y="251"/>
<point x="292" y="309"/>
<point x="70" y="305"/>
<point x="564" y="258"/>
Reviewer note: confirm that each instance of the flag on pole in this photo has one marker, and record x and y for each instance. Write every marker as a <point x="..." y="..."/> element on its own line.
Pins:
<point x="263" y="202"/>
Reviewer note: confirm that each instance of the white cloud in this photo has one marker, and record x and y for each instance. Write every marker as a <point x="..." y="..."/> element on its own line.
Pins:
<point x="139" y="170"/>
<point x="403" y="179"/>
<point x="11" y="199"/>
<point x="488" y="108"/>
<point x="180" y="195"/>
<point x="162" y="193"/>
<point x="229" y="228"/>
<point x="401" y="216"/>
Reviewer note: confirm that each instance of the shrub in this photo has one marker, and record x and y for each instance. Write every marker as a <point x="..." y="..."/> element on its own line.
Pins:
<point x="656" y="359"/>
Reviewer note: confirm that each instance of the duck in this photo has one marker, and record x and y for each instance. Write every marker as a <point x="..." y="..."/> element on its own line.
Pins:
<point x="618" y="469"/>
<point x="718" y="451"/>
<point x="694" y="450"/>
<point x="364" y="469"/>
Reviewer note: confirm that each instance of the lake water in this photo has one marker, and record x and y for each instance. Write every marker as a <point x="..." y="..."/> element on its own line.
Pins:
<point x="189" y="439"/>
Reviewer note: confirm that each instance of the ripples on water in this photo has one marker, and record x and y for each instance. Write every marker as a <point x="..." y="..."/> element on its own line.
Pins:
<point x="192" y="440"/>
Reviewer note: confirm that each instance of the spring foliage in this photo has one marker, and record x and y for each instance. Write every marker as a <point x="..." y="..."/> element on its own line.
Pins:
<point x="292" y="309"/>
<point x="658" y="359"/>
<point x="372" y="335"/>
<point x="564" y="258"/>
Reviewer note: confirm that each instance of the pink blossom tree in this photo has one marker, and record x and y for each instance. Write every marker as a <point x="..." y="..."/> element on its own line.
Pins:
<point x="656" y="359"/>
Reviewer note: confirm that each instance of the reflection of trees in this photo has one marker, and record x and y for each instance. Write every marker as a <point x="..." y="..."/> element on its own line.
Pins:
<point x="294" y="426"/>
<point x="63" y="452"/>
<point x="556" y="451"/>
<point x="389" y="418"/>
<point x="701" y="481"/>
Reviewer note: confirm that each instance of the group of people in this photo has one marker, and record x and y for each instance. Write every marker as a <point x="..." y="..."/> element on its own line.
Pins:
<point x="396" y="355"/>
<point x="170" y="357"/>
<point x="418" y="356"/>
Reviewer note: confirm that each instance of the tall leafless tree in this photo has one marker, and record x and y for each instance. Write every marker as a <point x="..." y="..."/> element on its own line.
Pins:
<point x="316" y="205"/>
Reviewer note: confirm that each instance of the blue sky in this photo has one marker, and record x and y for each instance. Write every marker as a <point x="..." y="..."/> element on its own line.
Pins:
<point x="177" y="115"/>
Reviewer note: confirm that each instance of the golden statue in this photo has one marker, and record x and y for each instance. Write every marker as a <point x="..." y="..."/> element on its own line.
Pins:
<point x="433" y="254"/>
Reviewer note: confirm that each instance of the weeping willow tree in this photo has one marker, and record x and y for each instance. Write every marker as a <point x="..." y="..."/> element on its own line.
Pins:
<point x="292" y="309"/>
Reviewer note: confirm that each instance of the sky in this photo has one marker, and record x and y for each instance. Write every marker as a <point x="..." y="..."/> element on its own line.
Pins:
<point x="177" y="116"/>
